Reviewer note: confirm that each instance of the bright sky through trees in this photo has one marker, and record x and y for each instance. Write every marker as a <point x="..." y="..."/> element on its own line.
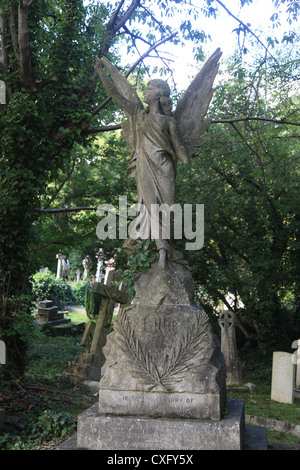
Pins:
<point x="221" y="30"/>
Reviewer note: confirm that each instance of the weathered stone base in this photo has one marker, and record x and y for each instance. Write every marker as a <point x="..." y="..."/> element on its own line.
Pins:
<point x="96" y="431"/>
<point x="234" y="373"/>
<point x="88" y="367"/>
<point x="161" y="404"/>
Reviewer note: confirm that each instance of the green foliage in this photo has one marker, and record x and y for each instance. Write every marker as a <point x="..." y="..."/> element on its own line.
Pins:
<point x="78" y="289"/>
<point x="247" y="177"/>
<point x="140" y="260"/>
<point x="41" y="410"/>
<point x="46" y="287"/>
<point x="92" y="303"/>
<point x="49" y="356"/>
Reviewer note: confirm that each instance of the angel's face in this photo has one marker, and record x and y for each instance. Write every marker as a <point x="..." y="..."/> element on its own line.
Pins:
<point x="152" y="93"/>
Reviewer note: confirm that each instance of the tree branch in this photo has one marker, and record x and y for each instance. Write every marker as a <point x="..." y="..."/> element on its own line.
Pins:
<point x="78" y="209"/>
<point x="246" y="28"/>
<point x="252" y="118"/>
<point x="62" y="184"/>
<point x="136" y="63"/>
<point x="96" y="130"/>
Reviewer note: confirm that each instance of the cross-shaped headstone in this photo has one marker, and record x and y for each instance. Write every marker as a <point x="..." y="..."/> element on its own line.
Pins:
<point x="227" y="322"/>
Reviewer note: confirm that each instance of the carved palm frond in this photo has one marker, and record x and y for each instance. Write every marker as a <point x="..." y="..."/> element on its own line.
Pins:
<point x="192" y="343"/>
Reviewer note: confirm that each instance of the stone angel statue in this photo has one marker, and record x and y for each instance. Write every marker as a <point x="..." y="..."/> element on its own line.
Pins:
<point x="158" y="138"/>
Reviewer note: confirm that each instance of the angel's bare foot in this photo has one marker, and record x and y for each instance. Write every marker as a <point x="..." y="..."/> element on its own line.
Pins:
<point x="162" y="258"/>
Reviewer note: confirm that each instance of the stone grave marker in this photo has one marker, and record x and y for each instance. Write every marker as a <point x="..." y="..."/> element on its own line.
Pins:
<point x="283" y="377"/>
<point x="49" y="314"/>
<point x="163" y="384"/>
<point x="100" y="257"/>
<point x="60" y="259"/>
<point x="227" y="322"/>
<point x="94" y="338"/>
<point x="86" y="263"/>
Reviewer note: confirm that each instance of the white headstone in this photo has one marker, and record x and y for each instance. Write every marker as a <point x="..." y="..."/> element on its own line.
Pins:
<point x="283" y="374"/>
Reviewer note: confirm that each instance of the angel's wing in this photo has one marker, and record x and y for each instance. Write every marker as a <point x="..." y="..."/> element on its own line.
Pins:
<point x="121" y="83"/>
<point x="193" y="105"/>
<point x="125" y="95"/>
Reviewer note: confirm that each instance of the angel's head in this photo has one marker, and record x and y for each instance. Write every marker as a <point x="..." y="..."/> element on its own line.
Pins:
<point x="159" y="90"/>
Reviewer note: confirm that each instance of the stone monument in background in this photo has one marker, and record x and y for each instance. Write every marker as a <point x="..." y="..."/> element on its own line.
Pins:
<point x="163" y="382"/>
<point x="60" y="257"/>
<point x="227" y="322"/>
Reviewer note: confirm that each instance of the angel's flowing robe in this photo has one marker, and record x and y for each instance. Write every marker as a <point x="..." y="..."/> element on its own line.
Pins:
<point x="153" y="163"/>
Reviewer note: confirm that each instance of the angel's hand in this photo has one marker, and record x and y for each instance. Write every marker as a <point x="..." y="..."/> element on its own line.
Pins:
<point x="183" y="156"/>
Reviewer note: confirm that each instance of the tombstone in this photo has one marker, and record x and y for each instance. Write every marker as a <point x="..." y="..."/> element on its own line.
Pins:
<point x="109" y="267"/>
<point x="99" y="256"/>
<point x="86" y="263"/>
<point x="65" y="267"/>
<point x="49" y="314"/>
<point x="94" y="338"/>
<point x="227" y="322"/>
<point x="163" y="382"/>
<point x="78" y="273"/>
<point x="60" y="258"/>
<point x="283" y="377"/>
<point x="43" y="270"/>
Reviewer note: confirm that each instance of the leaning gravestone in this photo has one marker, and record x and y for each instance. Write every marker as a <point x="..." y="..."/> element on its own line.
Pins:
<point x="88" y="366"/>
<point x="283" y="376"/>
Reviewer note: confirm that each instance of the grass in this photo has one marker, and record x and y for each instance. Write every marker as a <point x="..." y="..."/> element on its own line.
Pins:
<point x="259" y="403"/>
<point x="41" y="409"/>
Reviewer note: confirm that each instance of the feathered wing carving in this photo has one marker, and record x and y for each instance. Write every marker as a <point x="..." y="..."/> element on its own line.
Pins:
<point x="119" y="89"/>
<point x="193" y="105"/>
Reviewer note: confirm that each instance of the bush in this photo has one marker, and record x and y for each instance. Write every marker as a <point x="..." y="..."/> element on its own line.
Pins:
<point x="78" y="289"/>
<point x="46" y="287"/>
<point x="92" y="303"/>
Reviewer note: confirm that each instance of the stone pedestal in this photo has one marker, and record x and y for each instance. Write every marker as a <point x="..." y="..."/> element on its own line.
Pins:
<point x="163" y="385"/>
<point x="49" y="313"/>
<point x="96" y="431"/>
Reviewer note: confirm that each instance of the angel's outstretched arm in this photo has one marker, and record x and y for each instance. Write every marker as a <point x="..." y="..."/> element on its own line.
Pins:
<point x="119" y="88"/>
